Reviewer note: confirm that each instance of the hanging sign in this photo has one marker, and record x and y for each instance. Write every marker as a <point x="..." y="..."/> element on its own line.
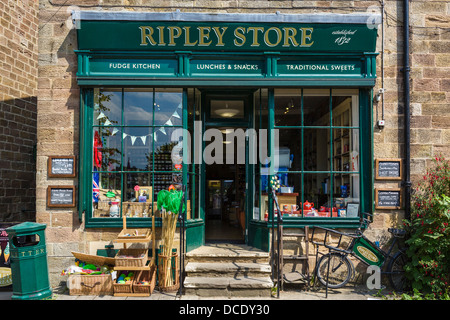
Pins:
<point x="61" y="167"/>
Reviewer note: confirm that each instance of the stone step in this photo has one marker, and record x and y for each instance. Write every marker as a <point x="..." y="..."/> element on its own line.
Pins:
<point x="227" y="253"/>
<point x="214" y="269"/>
<point x="228" y="270"/>
<point x="228" y="286"/>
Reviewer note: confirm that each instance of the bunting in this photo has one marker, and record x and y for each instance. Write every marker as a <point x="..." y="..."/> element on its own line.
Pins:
<point x="143" y="138"/>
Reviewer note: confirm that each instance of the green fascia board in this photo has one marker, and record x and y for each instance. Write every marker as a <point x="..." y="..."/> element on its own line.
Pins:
<point x="212" y="66"/>
<point x="229" y="36"/>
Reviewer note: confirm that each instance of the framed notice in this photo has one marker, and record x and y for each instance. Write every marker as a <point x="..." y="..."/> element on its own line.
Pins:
<point x="61" y="196"/>
<point x="388" y="198"/>
<point x="388" y="169"/>
<point x="61" y="167"/>
<point x="352" y="210"/>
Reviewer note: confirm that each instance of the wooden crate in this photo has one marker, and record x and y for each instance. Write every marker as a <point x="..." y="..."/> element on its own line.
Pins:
<point x="134" y="234"/>
<point x="131" y="258"/>
<point x="97" y="284"/>
<point x="145" y="275"/>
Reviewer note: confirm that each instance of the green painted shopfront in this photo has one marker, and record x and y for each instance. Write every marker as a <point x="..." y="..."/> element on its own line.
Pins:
<point x="219" y="104"/>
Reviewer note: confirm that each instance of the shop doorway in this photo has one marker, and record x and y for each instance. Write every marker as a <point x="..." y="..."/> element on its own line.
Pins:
<point x="225" y="214"/>
<point x="226" y="175"/>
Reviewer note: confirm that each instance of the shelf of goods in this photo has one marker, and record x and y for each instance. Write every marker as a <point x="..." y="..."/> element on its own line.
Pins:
<point x="130" y="260"/>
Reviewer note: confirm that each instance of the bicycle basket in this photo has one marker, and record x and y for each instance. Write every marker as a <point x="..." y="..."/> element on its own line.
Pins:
<point x="366" y="252"/>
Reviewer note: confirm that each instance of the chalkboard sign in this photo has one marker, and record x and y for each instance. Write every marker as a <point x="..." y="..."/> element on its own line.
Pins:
<point x="60" y="196"/>
<point x="388" y="169"/>
<point x="388" y="198"/>
<point x="61" y="167"/>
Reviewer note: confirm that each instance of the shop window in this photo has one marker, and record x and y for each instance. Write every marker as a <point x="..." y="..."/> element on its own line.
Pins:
<point x="132" y="145"/>
<point x="317" y="158"/>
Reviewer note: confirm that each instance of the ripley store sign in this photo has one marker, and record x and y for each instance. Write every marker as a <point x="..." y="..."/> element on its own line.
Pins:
<point x="217" y="36"/>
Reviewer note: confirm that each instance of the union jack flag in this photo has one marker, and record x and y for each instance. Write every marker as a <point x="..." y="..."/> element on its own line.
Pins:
<point x="95" y="187"/>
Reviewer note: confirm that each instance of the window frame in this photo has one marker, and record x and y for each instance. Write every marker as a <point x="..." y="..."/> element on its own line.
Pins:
<point x="86" y="165"/>
<point x="365" y="138"/>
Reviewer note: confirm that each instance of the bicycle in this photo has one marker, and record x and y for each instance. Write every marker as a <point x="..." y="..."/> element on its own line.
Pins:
<point x="335" y="269"/>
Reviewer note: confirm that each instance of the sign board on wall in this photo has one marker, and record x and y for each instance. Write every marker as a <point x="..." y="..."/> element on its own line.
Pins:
<point x="388" y="198"/>
<point x="388" y="169"/>
<point x="60" y="196"/>
<point x="61" y="167"/>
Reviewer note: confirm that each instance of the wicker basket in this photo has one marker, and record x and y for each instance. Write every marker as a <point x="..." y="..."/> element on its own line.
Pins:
<point x="124" y="287"/>
<point x="98" y="284"/>
<point x="135" y="258"/>
<point x="162" y="272"/>
<point x="149" y="276"/>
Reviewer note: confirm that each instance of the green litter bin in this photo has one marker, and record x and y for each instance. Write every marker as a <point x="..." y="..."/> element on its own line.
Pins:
<point x="28" y="256"/>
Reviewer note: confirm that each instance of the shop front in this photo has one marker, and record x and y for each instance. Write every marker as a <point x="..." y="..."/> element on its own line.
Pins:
<point x="220" y="103"/>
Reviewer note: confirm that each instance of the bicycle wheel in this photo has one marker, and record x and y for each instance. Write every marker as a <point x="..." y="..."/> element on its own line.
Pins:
<point x="396" y="271"/>
<point x="340" y="270"/>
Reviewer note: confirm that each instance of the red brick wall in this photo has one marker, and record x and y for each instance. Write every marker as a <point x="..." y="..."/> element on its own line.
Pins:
<point x="18" y="104"/>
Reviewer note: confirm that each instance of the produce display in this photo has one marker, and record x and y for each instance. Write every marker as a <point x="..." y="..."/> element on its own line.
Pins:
<point x="81" y="267"/>
<point x="125" y="277"/>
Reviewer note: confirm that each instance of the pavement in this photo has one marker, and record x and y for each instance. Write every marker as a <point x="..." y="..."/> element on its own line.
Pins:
<point x="348" y="293"/>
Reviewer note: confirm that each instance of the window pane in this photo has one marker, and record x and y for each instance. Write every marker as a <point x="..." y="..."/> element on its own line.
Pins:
<point x="345" y="107"/>
<point x="346" y="188"/>
<point x="317" y="193"/>
<point x="346" y="150"/>
<point x="287" y="107"/>
<point x="289" y="152"/>
<point x="107" y="107"/>
<point x="137" y="144"/>
<point x="162" y="182"/>
<point x="316" y="151"/>
<point x="163" y="145"/>
<point x="168" y="107"/>
<point x="138" y="195"/>
<point x="107" y="149"/>
<point x="316" y="107"/>
<point x="138" y="107"/>
<point x="106" y="190"/>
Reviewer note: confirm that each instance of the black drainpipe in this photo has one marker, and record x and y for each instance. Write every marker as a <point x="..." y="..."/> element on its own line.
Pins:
<point x="406" y="70"/>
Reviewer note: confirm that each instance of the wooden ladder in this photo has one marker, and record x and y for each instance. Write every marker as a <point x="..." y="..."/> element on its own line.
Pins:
<point x="304" y="257"/>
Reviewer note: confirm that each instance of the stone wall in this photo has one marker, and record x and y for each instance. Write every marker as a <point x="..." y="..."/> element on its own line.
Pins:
<point x="18" y="109"/>
<point x="58" y="102"/>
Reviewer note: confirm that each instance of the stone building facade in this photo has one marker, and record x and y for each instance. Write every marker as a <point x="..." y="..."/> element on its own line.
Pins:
<point x="18" y="109"/>
<point x="58" y="102"/>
